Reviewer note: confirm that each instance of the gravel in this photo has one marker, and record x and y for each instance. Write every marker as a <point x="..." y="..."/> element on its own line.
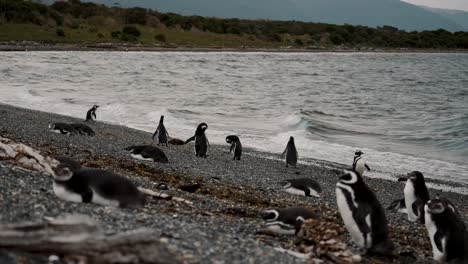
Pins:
<point x="220" y="226"/>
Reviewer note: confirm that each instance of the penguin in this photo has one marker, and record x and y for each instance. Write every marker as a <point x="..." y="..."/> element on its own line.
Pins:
<point x="91" y="114"/>
<point x="291" y="153"/>
<point x="83" y="129"/>
<point x="359" y="164"/>
<point x="161" y="132"/>
<point x="148" y="152"/>
<point x="176" y="141"/>
<point x="399" y="206"/>
<point x="303" y="186"/>
<point x="363" y="214"/>
<point x="447" y="231"/>
<point x="73" y="164"/>
<point x="416" y="195"/>
<point x="62" y="128"/>
<point x="201" y="141"/>
<point x="287" y="221"/>
<point x="98" y="186"/>
<point x="235" y="145"/>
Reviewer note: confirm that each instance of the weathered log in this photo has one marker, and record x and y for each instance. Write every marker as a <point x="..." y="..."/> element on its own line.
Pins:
<point x="79" y="236"/>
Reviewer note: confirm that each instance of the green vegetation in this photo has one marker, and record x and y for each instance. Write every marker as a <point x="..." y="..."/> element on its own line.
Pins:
<point x="77" y="22"/>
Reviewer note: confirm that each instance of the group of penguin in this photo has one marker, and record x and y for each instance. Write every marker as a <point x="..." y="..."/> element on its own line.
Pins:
<point x="360" y="210"/>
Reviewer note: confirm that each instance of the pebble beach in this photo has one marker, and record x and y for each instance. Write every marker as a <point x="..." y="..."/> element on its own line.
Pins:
<point x="221" y="223"/>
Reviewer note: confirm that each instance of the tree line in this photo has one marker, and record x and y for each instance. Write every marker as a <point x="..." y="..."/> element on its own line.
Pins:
<point x="304" y="34"/>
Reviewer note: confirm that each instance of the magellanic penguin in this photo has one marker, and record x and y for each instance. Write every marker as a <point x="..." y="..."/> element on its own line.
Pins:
<point x="303" y="186"/>
<point x="291" y="153"/>
<point x="363" y="214"/>
<point x="447" y="231"/>
<point x="91" y="114"/>
<point x="176" y="141"/>
<point x="358" y="163"/>
<point x="62" y="128"/>
<point x="287" y="221"/>
<point x="398" y="205"/>
<point x="161" y="132"/>
<point x="147" y="152"/>
<point x="416" y="195"/>
<point x="201" y="141"/>
<point x="83" y="129"/>
<point x="235" y="145"/>
<point x="95" y="186"/>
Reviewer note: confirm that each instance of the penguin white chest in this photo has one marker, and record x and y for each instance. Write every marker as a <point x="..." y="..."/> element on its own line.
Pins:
<point x="280" y="228"/>
<point x="360" y="166"/>
<point x="66" y="195"/>
<point x="437" y="254"/>
<point x="346" y="211"/>
<point x="410" y="198"/>
<point x="98" y="199"/>
<point x="140" y="157"/>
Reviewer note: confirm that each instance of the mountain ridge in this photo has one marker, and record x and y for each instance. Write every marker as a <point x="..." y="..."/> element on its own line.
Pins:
<point x="372" y="13"/>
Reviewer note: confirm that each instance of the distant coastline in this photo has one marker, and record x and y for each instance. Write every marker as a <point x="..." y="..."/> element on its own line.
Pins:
<point x="40" y="46"/>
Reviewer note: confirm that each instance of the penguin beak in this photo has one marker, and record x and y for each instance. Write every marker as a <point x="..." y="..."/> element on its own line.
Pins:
<point x="403" y="179"/>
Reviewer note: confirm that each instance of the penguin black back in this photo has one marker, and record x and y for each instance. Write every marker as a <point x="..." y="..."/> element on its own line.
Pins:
<point x="235" y="145"/>
<point x="363" y="215"/>
<point x="291" y="153"/>
<point x="447" y="231"/>
<point x="83" y="129"/>
<point x="148" y="152"/>
<point x="161" y="132"/>
<point x="201" y="141"/>
<point x="96" y="186"/>
<point x="91" y="114"/>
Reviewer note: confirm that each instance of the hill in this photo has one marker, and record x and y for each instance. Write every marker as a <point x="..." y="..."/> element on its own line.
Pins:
<point x="457" y="16"/>
<point x="355" y="12"/>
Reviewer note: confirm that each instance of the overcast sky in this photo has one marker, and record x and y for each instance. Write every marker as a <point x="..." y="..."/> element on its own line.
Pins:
<point x="448" y="4"/>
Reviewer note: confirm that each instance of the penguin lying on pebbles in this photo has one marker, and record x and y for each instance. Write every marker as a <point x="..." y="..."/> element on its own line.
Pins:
<point x="398" y="205"/>
<point x="303" y="186"/>
<point x="287" y="221"/>
<point x="363" y="214"/>
<point x="83" y="129"/>
<point x="176" y="141"/>
<point x="147" y="152"/>
<point x="235" y="145"/>
<point x="447" y="232"/>
<point x="87" y="185"/>
<point x="416" y="195"/>
<point x="62" y="128"/>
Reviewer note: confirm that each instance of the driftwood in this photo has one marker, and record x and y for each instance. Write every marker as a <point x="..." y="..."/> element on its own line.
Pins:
<point x="79" y="237"/>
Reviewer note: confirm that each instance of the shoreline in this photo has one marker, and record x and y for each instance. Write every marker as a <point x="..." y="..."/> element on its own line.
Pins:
<point x="221" y="225"/>
<point x="12" y="46"/>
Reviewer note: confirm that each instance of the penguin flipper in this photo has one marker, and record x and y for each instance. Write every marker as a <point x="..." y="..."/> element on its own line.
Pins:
<point x="87" y="195"/>
<point x="367" y="167"/>
<point x="418" y="209"/>
<point x="438" y="236"/>
<point x="190" y="139"/>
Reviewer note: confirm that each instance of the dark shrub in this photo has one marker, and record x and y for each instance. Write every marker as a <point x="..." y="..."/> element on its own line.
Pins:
<point x="160" y="37"/>
<point x="60" y="32"/>
<point x="132" y="31"/>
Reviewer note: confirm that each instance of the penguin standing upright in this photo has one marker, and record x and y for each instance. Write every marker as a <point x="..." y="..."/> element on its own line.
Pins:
<point x="416" y="195"/>
<point x="161" y="132"/>
<point x="85" y="185"/>
<point x="201" y="141"/>
<point x="358" y="163"/>
<point x="91" y="114"/>
<point x="447" y="231"/>
<point x="235" y="145"/>
<point x="291" y="153"/>
<point x="363" y="214"/>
